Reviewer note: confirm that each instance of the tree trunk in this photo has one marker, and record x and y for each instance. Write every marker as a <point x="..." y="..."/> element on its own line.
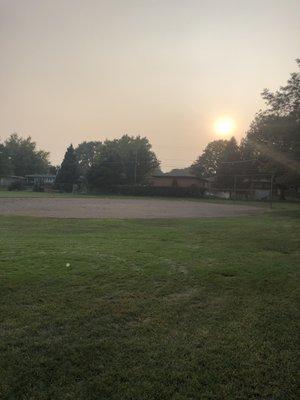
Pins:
<point x="282" y="193"/>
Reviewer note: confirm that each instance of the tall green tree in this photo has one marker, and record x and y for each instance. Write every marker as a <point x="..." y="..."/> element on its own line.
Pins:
<point x="127" y="160"/>
<point x="87" y="153"/>
<point x="138" y="159"/>
<point x="219" y="160"/>
<point x="229" y="164"/>
<point x="68" y="174"/>
<point x="107" y="169"/>
<point x="209" y="161"/>
<point x="274" y="135"/>
<point x="24" y="157"/>
<point x="286" y="100"/>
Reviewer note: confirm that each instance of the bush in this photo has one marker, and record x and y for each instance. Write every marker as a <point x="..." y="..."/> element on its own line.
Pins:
<point x="16" y="185"/>
<point x="64" y="187"/>
<point x="38" y="187"/>
<point x="152" y="191"/>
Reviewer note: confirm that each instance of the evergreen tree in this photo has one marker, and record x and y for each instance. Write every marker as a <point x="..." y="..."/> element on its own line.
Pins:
<point x="68" y="174"/>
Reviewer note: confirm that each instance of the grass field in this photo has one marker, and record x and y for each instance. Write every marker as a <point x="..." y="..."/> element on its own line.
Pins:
<point x="31" y="194"/>
<point x="149" y="309"/>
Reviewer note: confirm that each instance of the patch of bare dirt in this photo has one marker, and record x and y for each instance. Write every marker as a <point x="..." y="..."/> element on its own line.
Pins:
<point x="120" y="208"/>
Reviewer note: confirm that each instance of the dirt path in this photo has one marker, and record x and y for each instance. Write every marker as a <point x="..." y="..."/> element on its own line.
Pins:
<point x="120" y="208"/>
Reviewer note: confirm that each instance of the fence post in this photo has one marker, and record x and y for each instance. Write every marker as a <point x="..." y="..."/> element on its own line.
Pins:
<point x="234" y="188"/>
<point x="271" y="191"/>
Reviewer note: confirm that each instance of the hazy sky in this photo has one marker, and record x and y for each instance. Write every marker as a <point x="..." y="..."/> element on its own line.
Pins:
<point x="74" y="70"/>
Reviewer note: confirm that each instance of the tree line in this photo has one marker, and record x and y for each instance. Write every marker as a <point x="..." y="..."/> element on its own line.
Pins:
<point x="128" y="160"/>
<point x="271" y="146"/>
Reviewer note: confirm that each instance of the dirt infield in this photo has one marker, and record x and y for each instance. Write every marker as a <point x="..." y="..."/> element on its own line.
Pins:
<point x="120" y="208"/>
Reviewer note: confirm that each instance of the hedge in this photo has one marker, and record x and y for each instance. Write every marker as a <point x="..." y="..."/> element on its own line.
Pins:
<point x="150" y="191"/>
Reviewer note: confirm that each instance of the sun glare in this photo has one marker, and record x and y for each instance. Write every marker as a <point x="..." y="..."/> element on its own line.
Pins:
<point x="224" y="126"/>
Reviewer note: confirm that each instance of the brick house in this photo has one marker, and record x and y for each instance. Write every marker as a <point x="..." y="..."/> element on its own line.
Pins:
<point x="180" y="181"/>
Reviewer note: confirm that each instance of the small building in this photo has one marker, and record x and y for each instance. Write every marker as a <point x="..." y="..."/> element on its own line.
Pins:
<point x="39" y="179"/>
<point x="180" y="181"/>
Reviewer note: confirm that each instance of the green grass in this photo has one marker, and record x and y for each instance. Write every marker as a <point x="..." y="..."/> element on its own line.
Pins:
<point x="31" y="194"/>
<point x="149" y="309"/>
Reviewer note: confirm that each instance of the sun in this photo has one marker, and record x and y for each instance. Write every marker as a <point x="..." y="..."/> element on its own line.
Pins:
<point x="224" y="126"/>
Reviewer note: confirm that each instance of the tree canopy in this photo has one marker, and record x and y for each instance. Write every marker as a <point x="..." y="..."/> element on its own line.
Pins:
<point x="128" y="160"/>
<point x="20" y="157"/>
<point x="229" y="164"/>
<point x="218" y="160"/>
<point x="209" y="161"/>
<point x="87" y="153"/>
<point x="274" y="135"/>
<point x="271" y="145"/>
